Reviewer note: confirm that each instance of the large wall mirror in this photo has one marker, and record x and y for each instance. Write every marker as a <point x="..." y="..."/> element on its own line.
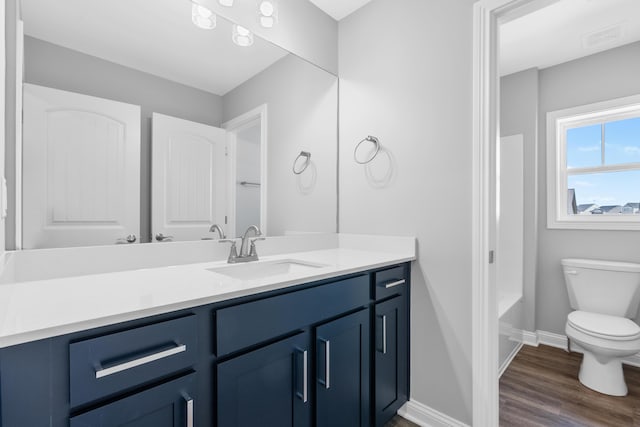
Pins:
<point x="150" y="121"/>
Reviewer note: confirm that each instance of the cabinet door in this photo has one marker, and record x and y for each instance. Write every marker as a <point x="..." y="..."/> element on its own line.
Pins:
<point x="391" y="358"/>
<point x="342" y="377"/>
<point x="167" y="405"/>
<point x="267" y="387"/>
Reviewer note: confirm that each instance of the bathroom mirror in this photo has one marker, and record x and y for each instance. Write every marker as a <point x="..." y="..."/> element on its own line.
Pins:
<point x="132" y="100"/>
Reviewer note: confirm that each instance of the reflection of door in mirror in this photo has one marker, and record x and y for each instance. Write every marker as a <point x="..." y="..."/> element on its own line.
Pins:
<point x="81" y="178"/>
<point x="188" y="178"/>
<point x="247" y="177"/>
<point x="247" y="171"/>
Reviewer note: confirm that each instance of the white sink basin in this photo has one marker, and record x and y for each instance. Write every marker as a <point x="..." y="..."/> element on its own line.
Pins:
<point x="258" y="270"/>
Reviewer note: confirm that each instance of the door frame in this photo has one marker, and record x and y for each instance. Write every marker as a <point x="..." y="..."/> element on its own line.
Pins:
<point x="233" y="126"/>
<point x="487" y="15"/>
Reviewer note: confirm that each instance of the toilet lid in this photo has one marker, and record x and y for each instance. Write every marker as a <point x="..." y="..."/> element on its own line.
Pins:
<point x="604" y="325"/>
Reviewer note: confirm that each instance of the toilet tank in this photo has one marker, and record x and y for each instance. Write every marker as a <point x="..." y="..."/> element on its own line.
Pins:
<point x="605" y="287"/>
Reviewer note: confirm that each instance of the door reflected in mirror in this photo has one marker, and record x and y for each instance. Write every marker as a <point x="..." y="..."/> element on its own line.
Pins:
<point x="218" y="127"/>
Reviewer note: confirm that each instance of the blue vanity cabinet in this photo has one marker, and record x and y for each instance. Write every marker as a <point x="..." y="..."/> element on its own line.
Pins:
<point x="171" y="404"/>
<point x="390" y="358"/>
<point x="328" y="353"/>
<point x="269" y="386"/>
<point x="342" y="371"/>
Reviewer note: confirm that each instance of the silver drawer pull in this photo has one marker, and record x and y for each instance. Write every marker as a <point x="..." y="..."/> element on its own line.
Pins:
<point x="391" y="284"/>
<point x="141" y="361"/>
<point x="189" y="412"/>
<point x="384" y="334"/>
<point x="327" y="363"/>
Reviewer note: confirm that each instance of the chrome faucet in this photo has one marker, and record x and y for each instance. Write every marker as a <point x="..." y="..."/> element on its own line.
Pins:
<point x="245" y="255"/>
<point x="216" y="227"/>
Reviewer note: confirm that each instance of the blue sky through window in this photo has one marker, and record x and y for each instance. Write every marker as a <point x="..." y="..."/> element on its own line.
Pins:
<point x="622" y="145"/>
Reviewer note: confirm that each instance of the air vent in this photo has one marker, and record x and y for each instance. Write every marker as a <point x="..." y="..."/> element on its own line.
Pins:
<point x="603" y="37"/>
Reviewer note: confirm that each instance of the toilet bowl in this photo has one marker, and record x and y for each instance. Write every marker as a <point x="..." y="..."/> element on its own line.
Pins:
<point x="605" y="340"/>
<point x="605" y="295"/>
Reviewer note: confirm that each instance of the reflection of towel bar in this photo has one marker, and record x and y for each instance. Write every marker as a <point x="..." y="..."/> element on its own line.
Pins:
<point x="307" y="156"/>
<point x="249" y="184"/>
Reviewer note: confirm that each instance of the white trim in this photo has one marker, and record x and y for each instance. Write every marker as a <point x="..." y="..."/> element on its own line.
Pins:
<point x="18" y="142"/>
<point x="530" y="338"/>
<point x="509" y="359"/>
<point x="552" y="340"/>
<point x="557" y="124"/>
<point x="426" y="416"/>
<point x="561" y="341"/>
<point x="233" y="126"/>
<point x="486" y="14"/>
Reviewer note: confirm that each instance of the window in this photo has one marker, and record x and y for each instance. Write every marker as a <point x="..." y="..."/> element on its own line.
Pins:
<point x="593" y="166"/>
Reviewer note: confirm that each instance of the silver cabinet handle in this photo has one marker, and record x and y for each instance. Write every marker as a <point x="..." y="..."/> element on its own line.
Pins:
<point x="393" y="283"/>
<point x="572" y="272"/>
<point x="141" y="361"/>
<point x="327" y="363"/>
<point x="384" y="334"/>
<point x="161" y="237"/>
<point x="305" y="386"/>
<point x="189" y="412"/>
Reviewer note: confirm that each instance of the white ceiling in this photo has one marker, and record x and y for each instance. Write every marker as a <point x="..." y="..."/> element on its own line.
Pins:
<point x="339" y="9"/>
<point x="154" y="36"/>
<point x="567" y="30"/>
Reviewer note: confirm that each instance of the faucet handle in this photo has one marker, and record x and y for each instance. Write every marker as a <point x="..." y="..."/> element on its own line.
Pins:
<point x="252" y="249"/>
<point x="233" y="253"/>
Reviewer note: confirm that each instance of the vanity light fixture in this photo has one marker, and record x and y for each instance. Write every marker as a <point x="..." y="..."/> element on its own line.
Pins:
<point x="241" y="36"/>
<point x="268" y="13"/>
<point x="227" y="3"/>
<point x="202" y="17"/>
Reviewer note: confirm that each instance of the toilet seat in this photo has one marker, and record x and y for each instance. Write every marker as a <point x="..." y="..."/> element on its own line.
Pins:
<point x="604" y="326"/>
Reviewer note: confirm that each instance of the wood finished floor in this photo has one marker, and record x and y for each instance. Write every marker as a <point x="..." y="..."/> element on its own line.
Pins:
<point x="541" y="388"/>
<point x="398" y="421"/>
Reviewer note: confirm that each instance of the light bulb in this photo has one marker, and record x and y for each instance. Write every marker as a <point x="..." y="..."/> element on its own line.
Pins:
<point x="267" y="8"/>
<point x="267" y="21"/>
<point x="202" y="17"/>
<point x="242" y="36"/>
<point x="227" y="3"/>
<point x="268" y="13"/>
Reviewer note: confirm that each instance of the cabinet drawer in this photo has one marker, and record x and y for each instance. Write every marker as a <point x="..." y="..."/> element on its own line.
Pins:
<point x="109" y="364"/>
<point x="170" y="404"/>
<point x="247" y="324"/>
<point x="391" y="281"/>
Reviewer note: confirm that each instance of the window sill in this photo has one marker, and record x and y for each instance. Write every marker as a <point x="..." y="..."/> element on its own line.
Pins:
<point x="620" y="224"/>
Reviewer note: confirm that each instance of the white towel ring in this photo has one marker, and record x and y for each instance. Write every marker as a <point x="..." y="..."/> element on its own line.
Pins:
<point x="369" y="138"/>
<point x="305" y="165"/>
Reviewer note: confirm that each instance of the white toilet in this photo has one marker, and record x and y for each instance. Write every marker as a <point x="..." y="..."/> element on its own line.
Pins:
<point x="605" y="295"/>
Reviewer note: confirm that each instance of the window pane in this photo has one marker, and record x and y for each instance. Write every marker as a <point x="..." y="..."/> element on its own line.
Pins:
<point x="584" y="146"/>
<point x="622" y="141"/>
<point x="606" y="193"/>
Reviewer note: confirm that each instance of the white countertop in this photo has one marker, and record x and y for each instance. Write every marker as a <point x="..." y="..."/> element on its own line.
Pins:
<point x="40" y="309"/>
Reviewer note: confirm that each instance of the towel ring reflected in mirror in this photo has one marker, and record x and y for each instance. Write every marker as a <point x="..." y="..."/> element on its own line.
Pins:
<point x="376" y="143"/>
<point x="305" y="165"/>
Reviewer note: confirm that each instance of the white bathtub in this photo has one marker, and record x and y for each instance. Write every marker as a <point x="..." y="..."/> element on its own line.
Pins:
<point x="511" y="324"/>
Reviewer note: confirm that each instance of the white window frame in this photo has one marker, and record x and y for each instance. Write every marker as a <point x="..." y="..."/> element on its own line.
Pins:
<point x="558" y="122"/>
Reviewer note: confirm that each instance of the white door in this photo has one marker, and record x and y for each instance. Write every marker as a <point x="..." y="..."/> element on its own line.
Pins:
<point x="188" y="178"/>
<point x="81" y="173"/>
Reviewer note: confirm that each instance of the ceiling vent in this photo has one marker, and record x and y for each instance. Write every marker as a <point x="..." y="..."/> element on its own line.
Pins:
<point x="603" y="37"/>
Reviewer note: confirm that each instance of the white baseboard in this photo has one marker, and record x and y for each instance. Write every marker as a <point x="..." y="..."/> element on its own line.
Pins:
<point x="561" y="341"/>
<point x="530" y="338"/>
<point x="552" y="340"/>
<point x="426" y="416"/>
<point x="509" y="359"/>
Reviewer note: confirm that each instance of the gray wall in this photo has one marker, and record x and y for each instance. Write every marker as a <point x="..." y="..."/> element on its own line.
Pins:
<point x="611" y="74"/>
<point x="54" y="66"/>
<point x="519" y="115"/>
<point x="302" y="102"/>
<point x="406" y="78"/>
